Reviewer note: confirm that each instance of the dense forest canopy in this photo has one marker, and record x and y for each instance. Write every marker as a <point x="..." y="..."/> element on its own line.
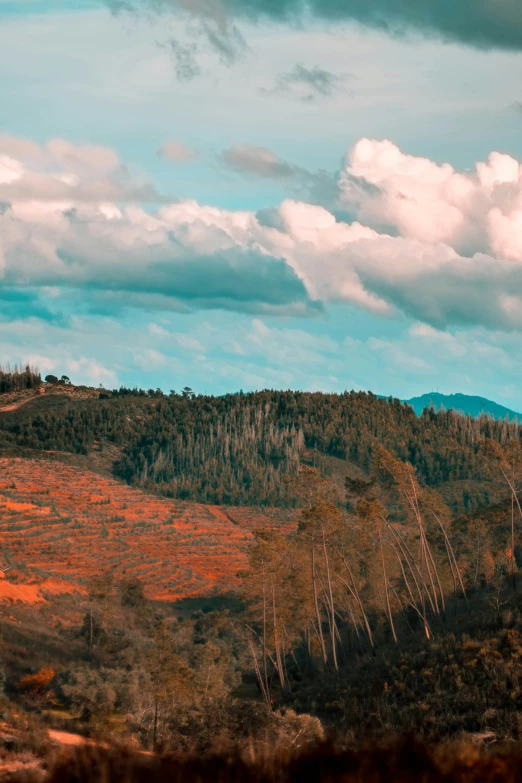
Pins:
<point x="236" y="449"/>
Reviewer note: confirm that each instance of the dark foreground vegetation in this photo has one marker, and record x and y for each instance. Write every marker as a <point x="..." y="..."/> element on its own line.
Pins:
<point x="404" y="760"/>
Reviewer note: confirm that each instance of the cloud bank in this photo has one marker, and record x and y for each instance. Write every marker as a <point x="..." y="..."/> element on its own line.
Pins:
<point x="484" y="24"/>
<point x="441" y="246"/>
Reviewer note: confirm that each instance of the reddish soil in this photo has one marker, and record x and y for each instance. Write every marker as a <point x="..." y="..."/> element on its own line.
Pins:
<point x="32" y="593"/>
<point x="66" y="738"/>
<point x="59" y="525"/>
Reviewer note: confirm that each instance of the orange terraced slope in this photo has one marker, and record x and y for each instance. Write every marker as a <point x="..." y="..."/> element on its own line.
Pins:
<point x="60" y="524"/>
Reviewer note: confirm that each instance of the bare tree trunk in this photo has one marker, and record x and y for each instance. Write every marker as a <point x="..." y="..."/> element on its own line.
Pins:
<point x="513" y="577"/>
<point x="308" y="649"/>
<point x="451" y="556"/>
<point x="262" y="683"/>
<point x="276" y="642"/>
<point x="390" y="617"/>
<point x="412" y="567"/>
<point x="436" y="572"/>
<point x="355" y="592"/>
<point x="404" y="578"/>
<point x="477" y="565"/>
<point x="424" y="549"/>
<point x="285" y="667"/>
<point x="359" y="603"/>
<point x="333" y="627"/>
<point x="355" y="623"/>
<point x="514" y="499"/>
<point x="155" y="725"/>
<point x="402" y="605"/>
<point x="264" y="638"/>
<point x="317" y="611"/>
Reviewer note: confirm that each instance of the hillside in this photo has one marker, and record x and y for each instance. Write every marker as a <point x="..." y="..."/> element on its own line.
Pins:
<point x="358" y="601"/>
<point x="60" y="525"/>
<point x="465" y="404"/>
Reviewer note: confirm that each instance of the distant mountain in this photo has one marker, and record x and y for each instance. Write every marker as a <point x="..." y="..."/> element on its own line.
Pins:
<point x="462" y="403"/>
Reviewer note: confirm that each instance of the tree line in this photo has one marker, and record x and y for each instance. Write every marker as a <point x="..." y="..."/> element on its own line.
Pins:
<point x="18" y="378"/>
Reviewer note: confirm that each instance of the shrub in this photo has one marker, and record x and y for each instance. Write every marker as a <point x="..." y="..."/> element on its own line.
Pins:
<point x="37" y="683"/>
<point x="89" y="692"/>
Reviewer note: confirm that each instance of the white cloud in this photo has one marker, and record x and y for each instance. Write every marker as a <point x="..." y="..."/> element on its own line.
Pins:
<point x="292" y="259"/>
<point x="479" y="211"/>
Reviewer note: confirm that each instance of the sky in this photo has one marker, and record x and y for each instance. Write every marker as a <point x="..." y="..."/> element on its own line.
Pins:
<point x="246" y="194"/>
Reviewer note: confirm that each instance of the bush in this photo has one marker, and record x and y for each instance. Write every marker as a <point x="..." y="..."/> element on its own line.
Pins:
<point x="90" y="692"/>
<point x="289" y="728"/>
<point x="37" y="683"/>
<point x="131" y="593"/>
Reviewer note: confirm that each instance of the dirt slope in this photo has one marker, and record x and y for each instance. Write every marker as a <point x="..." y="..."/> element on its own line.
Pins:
<point x="60" y="524"/>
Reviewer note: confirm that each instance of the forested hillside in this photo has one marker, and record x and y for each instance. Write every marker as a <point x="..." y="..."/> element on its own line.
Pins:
<point x="237" y="449"/>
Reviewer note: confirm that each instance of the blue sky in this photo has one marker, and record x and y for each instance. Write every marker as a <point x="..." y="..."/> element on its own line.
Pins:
<point x="236" y="201"/>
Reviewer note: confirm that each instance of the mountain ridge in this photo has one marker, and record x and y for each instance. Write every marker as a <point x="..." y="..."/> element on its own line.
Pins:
<point x="462" y="403"/>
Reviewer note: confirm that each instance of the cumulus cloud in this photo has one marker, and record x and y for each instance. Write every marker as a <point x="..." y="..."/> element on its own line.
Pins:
<point x="451" y="252"/>
<point x="182" y="257"/>
<point x="488" y="24"/>
<point x="477" y="211"/>
<point x="176" y="151"/>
